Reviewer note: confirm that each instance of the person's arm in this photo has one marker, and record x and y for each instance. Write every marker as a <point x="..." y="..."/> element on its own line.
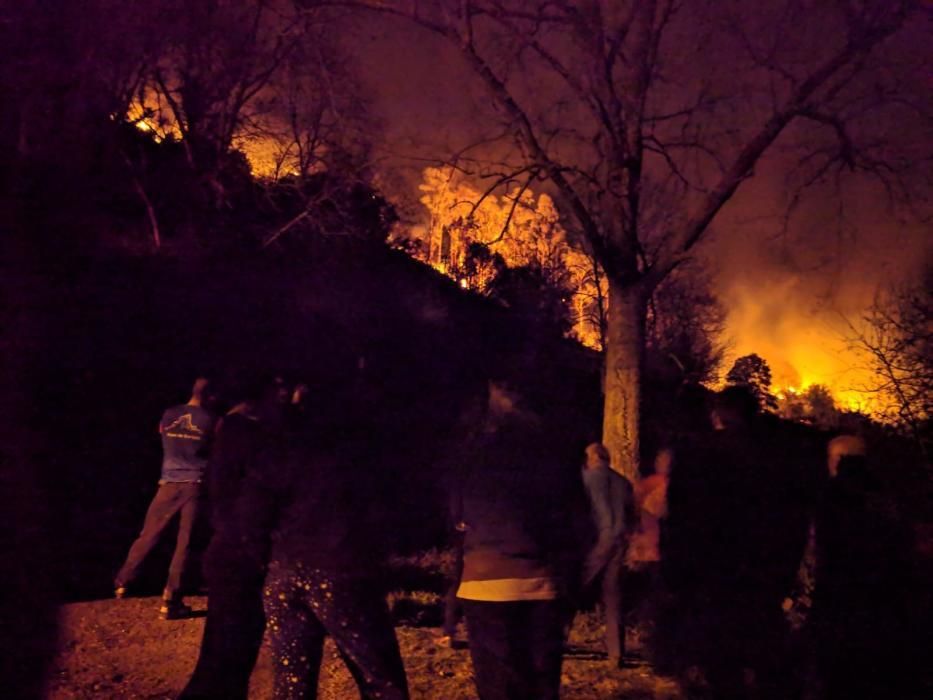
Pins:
<point x="597" y="490"/>
<point x="630" y="514"/>
<point x="654" y="503"/>
<point x="572" y="537"/>
<point x="799" y="601"/>
<point x="262" y="496"/>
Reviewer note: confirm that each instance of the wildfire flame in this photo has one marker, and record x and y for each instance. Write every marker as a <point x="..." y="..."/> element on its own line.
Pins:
<point x="803" y="346"/>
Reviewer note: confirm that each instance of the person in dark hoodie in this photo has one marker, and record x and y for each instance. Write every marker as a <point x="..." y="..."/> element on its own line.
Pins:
<point x="309" y="526"/>
<point x="855" y="585"/>
<point x="724" y="504"/>
<point x="516" y="552"/>
<point x="248" y="440"/>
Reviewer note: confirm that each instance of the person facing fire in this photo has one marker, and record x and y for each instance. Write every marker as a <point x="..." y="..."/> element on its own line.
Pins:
<point x="855" y="584"/>
<point x="248" y="438"/>
<point x="612" y="506"/>
<point x="303" y="521"/>
<point x="516" y="551"/>
<point x="643" y="584"/>
<point x="186" y="432"/>
<point x="725" y="540"/>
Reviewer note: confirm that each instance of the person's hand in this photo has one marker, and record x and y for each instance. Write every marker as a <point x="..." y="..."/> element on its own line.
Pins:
<point x="787" y="604"/>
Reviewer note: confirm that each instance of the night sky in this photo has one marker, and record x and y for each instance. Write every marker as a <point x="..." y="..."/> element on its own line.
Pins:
<point x="786" y="289"/>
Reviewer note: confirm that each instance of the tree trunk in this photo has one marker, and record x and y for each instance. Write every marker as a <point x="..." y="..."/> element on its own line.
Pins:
<point x="150" y="212"/>
<point x="625" y="352"/>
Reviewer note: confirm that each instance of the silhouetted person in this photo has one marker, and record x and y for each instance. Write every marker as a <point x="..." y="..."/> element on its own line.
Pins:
<point x="651" y="507"/>
<point x="612" y="508"/>
<point x="186" y="434"/>
<point x="453" y="610"/>
<point x="308" y="523"/>
<point x="516" y="552"/>
<point x="248" y="440"/>
<point x="643" y="584"/>
<point x="858" y="578"/>
<point x="722" y="548"/>
<point x="454" y="468"/>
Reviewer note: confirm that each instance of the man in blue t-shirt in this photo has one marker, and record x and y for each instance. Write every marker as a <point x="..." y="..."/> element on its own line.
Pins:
<point x="186" y="434"/>
<point x="613" y="510"/>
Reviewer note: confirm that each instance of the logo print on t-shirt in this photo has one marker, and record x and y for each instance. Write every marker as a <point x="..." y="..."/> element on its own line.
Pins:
<point x="186" y="428"/>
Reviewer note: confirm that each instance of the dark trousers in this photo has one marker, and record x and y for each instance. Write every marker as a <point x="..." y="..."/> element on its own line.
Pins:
<point x="516" y="648"/>
<point x="453" y="611"/>
<point x="233" y="629"/>
<point x="611" y="590"/>
<point x="303" y="605"/>
<point x="182" y="499"/>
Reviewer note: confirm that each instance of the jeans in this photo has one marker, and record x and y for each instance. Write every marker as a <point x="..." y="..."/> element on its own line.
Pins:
<point x="173" y="498"/>
<point x="516" y="648"/>
<point x="303" y="605"/>
<point x="612" y="605"/>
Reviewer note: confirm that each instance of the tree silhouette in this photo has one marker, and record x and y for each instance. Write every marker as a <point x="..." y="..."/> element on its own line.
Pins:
<point x="897" y="335"/>
<point x="754" y="372"/>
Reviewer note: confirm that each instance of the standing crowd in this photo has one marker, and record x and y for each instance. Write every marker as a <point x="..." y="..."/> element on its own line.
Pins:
<point x="744" y="575"/>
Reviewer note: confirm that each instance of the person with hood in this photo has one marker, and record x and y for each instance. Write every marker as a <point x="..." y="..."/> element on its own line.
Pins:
<point x="855" y="586"/>
<point x="517" y="552"/>
<point x="306" y="524"/>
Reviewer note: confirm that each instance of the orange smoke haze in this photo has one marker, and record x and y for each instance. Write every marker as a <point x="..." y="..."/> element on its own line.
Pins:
<point x="802" y="346"/>
<point x="791" y="299"/>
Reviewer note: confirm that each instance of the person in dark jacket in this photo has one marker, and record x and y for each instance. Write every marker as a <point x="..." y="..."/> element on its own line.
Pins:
<point x="730" y="517"/>
<point x="855" y="584"/>
<point x="248" y="439"/>
<point x="186" y="432"/>
<point x="310" y="526"/>
<point x="612" y="506"/>
<point x="516" y="553"/>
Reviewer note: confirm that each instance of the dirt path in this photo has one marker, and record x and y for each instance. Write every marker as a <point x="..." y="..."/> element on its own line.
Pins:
<point x="120" y="649"/>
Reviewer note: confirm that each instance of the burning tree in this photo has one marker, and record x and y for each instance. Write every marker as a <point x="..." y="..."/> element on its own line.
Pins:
<point x="646" y="116"/>
<point x="252" y="78"/>
<point x="474" y="236"/>
<point x="814" y="404"/>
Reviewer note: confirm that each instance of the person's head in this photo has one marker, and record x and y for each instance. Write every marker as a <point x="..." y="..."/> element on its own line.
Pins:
<point x="734" y="407"/>
<point x="693" y="404"/>
<point x="663" y="460"/>
<point x="300" y="394"/>
<point x="201" y="391"/>
<point x="279" y="390"/>
<point x="842" y="447"/>
<point x="265" y="393"/>
<point x="503" y="398"/>
<point x="596" y="455"/>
